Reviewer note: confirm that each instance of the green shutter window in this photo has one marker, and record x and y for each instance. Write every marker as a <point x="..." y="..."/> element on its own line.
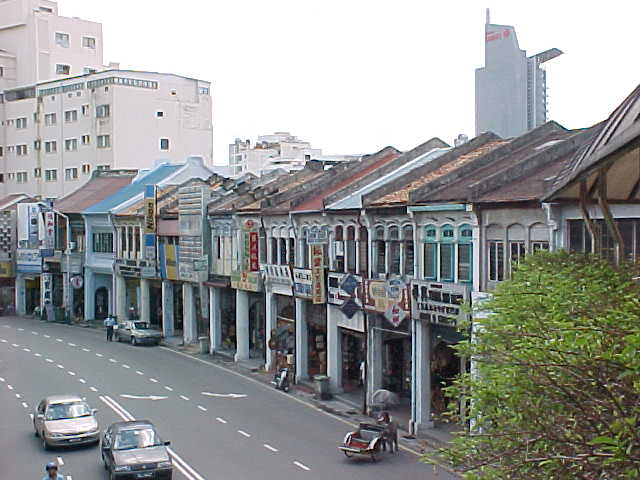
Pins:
<point x="430" y="250"/>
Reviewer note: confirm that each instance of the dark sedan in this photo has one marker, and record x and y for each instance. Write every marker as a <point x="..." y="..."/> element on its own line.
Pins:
<point x="134" y="450"/>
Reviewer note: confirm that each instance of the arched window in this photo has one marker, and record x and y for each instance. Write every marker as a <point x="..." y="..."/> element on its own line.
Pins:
<point x="465" y="253"/>
<point x="394" y="250"/>
<point x="381" y="253"/>
<point x="351" y="249"/>
<point x="430" y="251"/>
<point x="338" y="249"/>
<point x="495" y="253"/>
<point x="407" y="242"/>
<point x="446" y="253"/>
<point x="304" y="248"/>
<point x="363" y="251"/>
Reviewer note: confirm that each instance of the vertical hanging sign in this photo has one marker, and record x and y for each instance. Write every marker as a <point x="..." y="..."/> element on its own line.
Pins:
<point x="317" y="273"/>
<point x="49" y="230"/>
<point x="150" y="222"/>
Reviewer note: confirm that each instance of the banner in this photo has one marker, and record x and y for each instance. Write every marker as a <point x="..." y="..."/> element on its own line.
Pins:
<point x="49" y="230"/>
<point x="317" y="273"/>
<point x="389" y="297"/>
<point x="249" y="281"/>
<point x="150" y="224"/>
<point x="168" y="261"/>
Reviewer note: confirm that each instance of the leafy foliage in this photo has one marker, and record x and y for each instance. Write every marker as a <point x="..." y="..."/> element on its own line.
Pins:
<point x="554" y="389"/>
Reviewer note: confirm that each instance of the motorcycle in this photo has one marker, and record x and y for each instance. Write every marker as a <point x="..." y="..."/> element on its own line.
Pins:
<point x="281" y="379"/>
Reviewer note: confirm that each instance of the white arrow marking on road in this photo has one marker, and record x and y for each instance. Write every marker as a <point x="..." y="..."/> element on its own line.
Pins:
<point x="224" y="395"/>
<point x="302" y="466"/>
<point x="144" y="397"/>
<point x="269" y="447"/>
<point x="242" y="432"/>
<point x="60" y="461"/>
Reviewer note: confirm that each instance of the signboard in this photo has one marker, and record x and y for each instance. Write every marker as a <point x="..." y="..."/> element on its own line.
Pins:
<point x="250" y="257"/>
<point x="77" y="281"/>
<point x="28" y="260"/>
<point x="302" y="283"/>
<point x="148" y="271"/>
<point x="168" y="261"/>
<point x="318" y="235"/>
<point x="438" y="303"/>
<point x="6" y="269"/>
<point x="389" y="297"/>
<point x="222" y="228"/>
<point x="249" y="281"/>
<point x="317" y="274"/>
<point x="150" y="223"/>
<point x="49" y="231"/>
<point x="47" y="287"/>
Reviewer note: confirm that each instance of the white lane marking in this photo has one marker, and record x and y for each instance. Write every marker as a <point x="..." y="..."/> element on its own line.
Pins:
<point x="113" y="360"/>
<point x="202" y="408"/>
<point x="26" y="349"/>
<point x="73" y="374"/>
<point x="38" y="354"/>
<point x="301" y="465"/>
<point x="166" y="387"/>
<point x="47" y="336"/>
<point x="139" y="372"/>
<point x="82" y="380"/>
<point x="35" y="333"/>
<point x="69" y="477"/>
<point x="186" y="399"/>
<point x="86" y="350"/>
<point x="24" y="404"/>
<point x="245" y="434"/>
<point x="59" y="340"/>
<point x="60" y="461"/>
<point x="18" y="395"/>
<point x="221" y="420"/>
<point x="10" y="387"/>
<point x="72" y="344"/>
<point x="3" y="340"/>
<point x="143" y="397"/>
<point x="60" y="366"/>
<point x="49" y="360"/>
<point x="124" y="365"/>
<point x="269" y="447"/>
<point x="15" y="345"/>
<point x="99" y="355"/>
<point x="31" y="415"/>
<point x="183" y="466"/>
<point x="21" y="329"/>
<point x="93" y="389"/>
<point x="224" y="395"/>
<point x="153" y="380"/>
<point x="1" y="379"/>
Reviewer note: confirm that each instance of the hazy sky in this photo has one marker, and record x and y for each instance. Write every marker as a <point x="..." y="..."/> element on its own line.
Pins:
<point x="352" y="76"/>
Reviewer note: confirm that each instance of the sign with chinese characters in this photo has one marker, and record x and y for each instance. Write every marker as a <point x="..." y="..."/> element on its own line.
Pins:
<point x="251" y="260"/>
<point x="439" y="303"/>
<point x="49" y="231"/>
<point x="150" y="224"/>
<point x="28" y="260"/>
<point x="318" y="235"/>
<point x="249" y="281"/>
<point x="317" y="273"/>
<point x="302" y="284"/>
<point x="389" y="297"/>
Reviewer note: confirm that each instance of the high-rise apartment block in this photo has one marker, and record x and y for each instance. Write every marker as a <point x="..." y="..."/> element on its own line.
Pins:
<point x="63" y="114"/>
<point x="511" y="89"/>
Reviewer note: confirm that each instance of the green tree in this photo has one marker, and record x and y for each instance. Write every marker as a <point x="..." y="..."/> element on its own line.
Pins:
<point x="554" y="390"/>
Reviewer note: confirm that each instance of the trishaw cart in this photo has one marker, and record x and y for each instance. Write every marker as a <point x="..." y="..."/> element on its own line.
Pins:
<point x="367" y="440"/>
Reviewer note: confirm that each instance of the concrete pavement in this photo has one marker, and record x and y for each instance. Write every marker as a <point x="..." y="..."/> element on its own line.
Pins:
<point x="221" y="424"/>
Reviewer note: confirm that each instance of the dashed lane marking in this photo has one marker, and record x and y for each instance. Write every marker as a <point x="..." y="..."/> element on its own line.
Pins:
<point x="93" y="389"/>
<point x="244" y="434"/>
<point x="269" y="447"/>
<point x="38" y="354"/>
<point x="15" y="345"/>
<point x="166" y="387"/>
<point x="10" y="387"/>
<point x="31" y="415"/>
<point x="18" y="395"/>
<point x="26" y="349"/>
<point x="72" y="344"/>
<point x="124" y="365"/>
<point x="24" y="404"/>
<point x="35" y="333"/>
<point x="47" y="336"/>
<point x="202" y="408"/>
<point x="221" y="420"/>
<point x="73" y="374"/>
<point x="60" y="461"/>
<point x="113" y="360"/>
<point x="1" y="379"/>
<point x="21" y="329"/>
<point x="86" y="350"/>
<point x="153" y="380"/>
<point x="301" y="465"/>
<point x="3" y="340"/>
<point x="49" y="360"/>
<point x="59" y="340"/>
<point x="139" y="372"/>
<point x="82" y="380"/>
<point x="99" y="355"/>
<point x="186" y="399"/>
<point x="61" y="366"/>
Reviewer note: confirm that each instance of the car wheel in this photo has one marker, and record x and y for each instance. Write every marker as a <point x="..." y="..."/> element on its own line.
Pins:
<point x="45" y="445"/>
<point x="133" y="341"/>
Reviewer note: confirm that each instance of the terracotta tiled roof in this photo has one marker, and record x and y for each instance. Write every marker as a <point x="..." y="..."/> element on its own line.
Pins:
<point x="102" y="185"/>
<point x="402" y="195"/>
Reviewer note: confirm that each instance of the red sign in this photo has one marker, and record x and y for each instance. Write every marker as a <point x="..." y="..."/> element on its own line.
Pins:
<point x="254" y="262"/>
<point x="491" y="36"/>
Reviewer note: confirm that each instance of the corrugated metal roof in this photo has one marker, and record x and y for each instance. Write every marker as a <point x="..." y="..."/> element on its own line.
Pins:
<point x="153" y="177"/>
<point x="100" y="186"/>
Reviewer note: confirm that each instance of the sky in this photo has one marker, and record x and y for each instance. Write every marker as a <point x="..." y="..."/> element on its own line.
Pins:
<point x="353" y="76"/>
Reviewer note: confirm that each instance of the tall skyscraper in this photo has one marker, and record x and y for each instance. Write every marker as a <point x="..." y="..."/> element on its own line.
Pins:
<point x="511" y="89"/>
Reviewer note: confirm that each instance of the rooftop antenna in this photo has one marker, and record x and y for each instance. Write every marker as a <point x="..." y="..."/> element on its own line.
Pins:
<point x="488" y="17"/>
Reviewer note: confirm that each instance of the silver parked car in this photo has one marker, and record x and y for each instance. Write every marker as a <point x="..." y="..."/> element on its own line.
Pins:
<point x="62" y="420"/>
<point x="137" y="333"/>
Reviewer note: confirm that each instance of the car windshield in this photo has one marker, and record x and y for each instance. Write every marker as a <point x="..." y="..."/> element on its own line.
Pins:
<point x="62" y="411"/>
<point x="136" y="438"/>
<point x="141" y="325"/>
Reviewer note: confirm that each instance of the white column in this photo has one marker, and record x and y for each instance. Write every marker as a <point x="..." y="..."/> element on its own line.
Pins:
<point x="374" y="361"/>
<point x="167" y="308"/>
<point x="121" y="298"/>
<point x="334" y="353"/>
<point x="89" y="294"/>
<point x="242" y="325"/>
<point x="215" y="319"/>
<point x="21" y="295"/>
<point x="302" y="343"/>
<point x="188" y="314"/>
<point x="270" y="324"/>
<point x="145" y="306"/>
<point x="421" y="381"/>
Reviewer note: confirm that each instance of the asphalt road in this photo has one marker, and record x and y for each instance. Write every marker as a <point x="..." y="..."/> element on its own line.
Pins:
<point x="221" y="425"/>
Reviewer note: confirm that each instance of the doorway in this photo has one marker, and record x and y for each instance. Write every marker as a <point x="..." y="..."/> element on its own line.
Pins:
<point x="101" y="303"/>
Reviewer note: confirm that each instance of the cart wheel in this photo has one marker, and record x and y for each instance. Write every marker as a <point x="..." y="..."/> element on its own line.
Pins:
<point x="347" y="454"/>
<point x="375" y="453"/>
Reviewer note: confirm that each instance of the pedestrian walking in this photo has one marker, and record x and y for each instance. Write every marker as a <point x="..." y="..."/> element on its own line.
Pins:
<point x="52" y="472"/>
<point x="110" y="323"/>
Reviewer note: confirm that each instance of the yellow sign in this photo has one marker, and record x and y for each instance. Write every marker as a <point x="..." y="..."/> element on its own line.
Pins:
<point x="317" y="274"/>
<point x="150" y="209"/>
<point x="171" y="262"/>
<point x="249" y="281"/>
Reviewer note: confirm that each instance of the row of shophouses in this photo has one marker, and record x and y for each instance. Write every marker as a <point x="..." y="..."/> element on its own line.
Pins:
<point x="359" y="272"/>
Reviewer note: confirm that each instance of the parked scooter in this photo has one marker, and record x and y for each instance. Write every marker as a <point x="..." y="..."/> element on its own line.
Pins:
<point x="281" y="379"/>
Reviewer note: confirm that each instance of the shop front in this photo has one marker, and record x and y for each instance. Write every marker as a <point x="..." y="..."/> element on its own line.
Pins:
<point x="283" y="338"/>
<point x="257" y="326"/>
